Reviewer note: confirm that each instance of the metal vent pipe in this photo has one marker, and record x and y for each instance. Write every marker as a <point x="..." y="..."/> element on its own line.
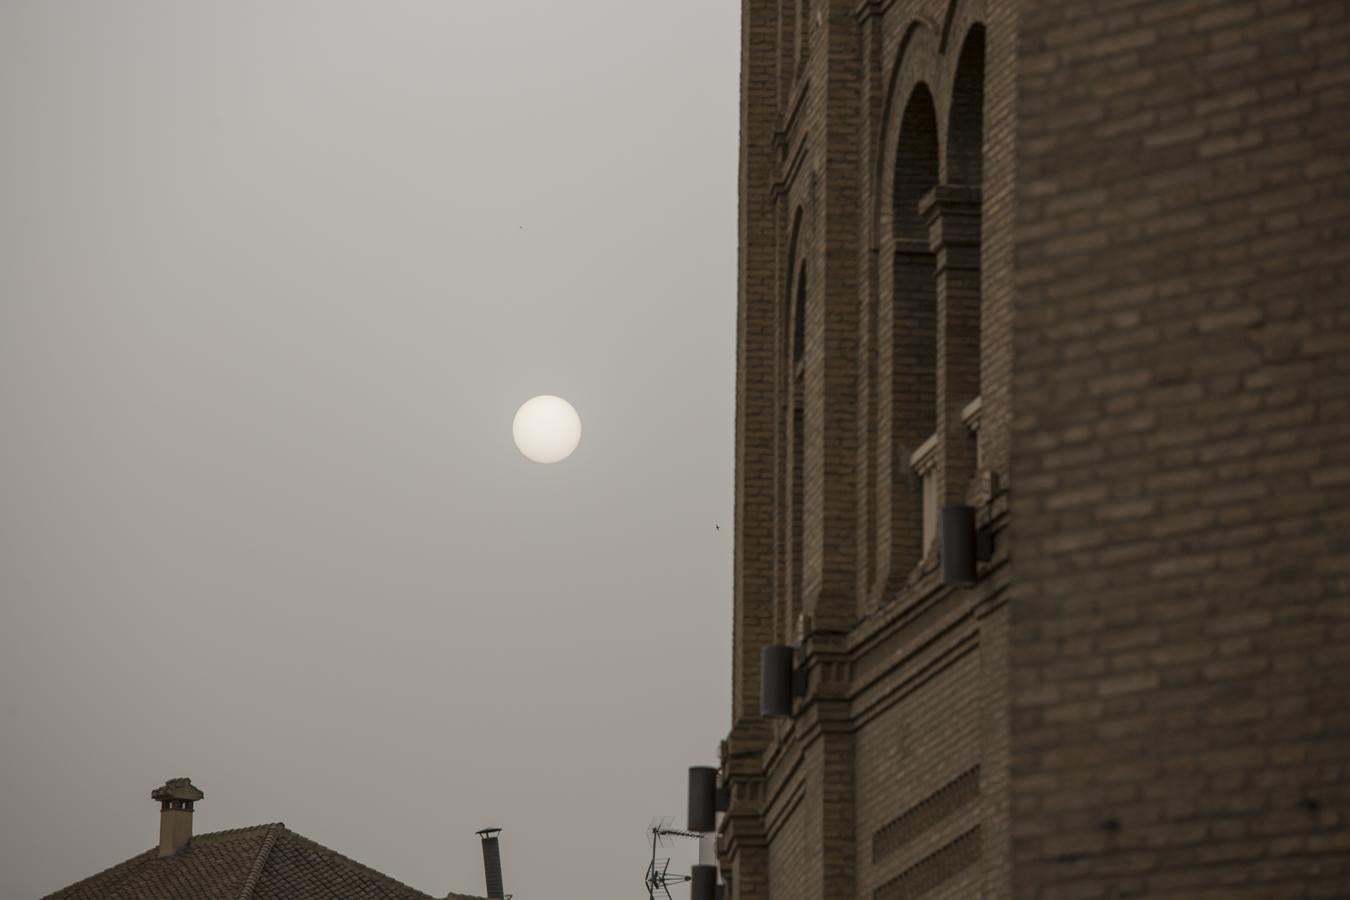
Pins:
<point x="492" y="863"/>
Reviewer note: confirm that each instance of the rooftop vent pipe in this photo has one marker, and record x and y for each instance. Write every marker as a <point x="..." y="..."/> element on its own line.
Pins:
<point x="492" y="862"/>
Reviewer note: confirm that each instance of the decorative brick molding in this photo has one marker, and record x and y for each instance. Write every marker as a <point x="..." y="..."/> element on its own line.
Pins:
<point x="931" y="871"/>
<point x="955" y="795"/>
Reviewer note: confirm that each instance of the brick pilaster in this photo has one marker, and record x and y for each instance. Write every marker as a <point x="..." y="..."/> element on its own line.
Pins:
<point x="757" y="352"/>
<point x="908" y="324"/>
<point x="953" y="217"/>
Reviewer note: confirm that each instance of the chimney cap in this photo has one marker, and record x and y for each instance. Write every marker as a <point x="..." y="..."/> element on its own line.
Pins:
<point x="487" y="832"/>
<point x="177" y="789"/>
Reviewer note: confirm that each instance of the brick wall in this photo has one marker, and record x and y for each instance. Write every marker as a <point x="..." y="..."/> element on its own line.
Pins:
<point x="891" y="778"/>
<point x="918" y="775"/>
<point x="1161" y="213"/>
<point x="1180" y="635"/>
<point x="789" y="855"/>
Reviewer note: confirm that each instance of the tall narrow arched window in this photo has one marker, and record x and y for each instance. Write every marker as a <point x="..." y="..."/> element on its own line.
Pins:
<point x="803" y="35"/>
<point x="913" y="351"/>
<point x="960" y="284"/>
<point x="965" y="123"/>
<point x="796" y="464"/>
<point x="798" y="436"/>
<point x="791" y="434"/>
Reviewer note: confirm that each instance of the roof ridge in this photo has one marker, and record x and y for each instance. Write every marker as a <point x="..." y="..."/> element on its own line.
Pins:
<point x="355" y="864"/>
<point x="264" y="851"/>
<point x="241" y="831"/>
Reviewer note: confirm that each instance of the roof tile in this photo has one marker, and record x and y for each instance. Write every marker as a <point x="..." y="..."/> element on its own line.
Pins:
<point x="264" y="862"/>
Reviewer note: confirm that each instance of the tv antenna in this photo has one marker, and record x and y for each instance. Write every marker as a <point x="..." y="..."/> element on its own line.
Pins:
<point x="660" y="834"/>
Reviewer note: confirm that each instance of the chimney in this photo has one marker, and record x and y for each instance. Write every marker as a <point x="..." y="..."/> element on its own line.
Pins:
<point x="175" y="814"/>
<point x="492" y="863"/>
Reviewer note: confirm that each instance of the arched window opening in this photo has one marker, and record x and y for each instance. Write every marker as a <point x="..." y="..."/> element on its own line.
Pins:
<point x="797" y="476"/>
<point x="960" y="284"/>
<point x="803" y="35"/>
<point x="965" y="125"/>
<point x="916" y="164"/>
<point x="913" y="349"/>
<point x="790" y="433"/>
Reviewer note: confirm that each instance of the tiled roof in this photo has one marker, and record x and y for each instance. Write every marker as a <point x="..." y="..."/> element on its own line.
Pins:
<point x="266" y="862"/>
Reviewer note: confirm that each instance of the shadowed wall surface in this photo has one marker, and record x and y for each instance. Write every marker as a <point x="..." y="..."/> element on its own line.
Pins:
<point x="1181" y="454"/>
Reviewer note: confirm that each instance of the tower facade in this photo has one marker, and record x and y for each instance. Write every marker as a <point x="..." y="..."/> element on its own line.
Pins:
<point x="1082" y="268"/>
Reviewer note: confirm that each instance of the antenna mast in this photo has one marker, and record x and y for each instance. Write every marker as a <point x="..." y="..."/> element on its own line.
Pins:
<point x="658" y="876"/>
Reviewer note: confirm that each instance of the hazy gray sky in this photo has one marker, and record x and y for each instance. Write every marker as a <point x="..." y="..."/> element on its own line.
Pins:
<point x="274" y="278"/>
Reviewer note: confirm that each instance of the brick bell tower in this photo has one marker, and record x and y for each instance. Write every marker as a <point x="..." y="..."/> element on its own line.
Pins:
<point x="1116" y="619"/>
<point x="872" y="393"/>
